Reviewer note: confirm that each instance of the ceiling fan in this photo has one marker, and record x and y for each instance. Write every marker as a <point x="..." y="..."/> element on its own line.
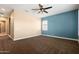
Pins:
<point x="42" y="9"/>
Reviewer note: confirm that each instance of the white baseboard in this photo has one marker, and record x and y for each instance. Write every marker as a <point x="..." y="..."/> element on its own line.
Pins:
<point x="10" y="37"/>
<point x="60" y="37"/>
<point x="15" y="39"/>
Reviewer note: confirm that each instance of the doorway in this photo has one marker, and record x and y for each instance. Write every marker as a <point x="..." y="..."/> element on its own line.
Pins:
<point x="4" y="26"/>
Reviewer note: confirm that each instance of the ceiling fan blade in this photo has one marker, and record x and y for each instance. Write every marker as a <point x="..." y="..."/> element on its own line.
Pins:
<point x="45" y="11"/>
<point x="35" y="9"/>
<point x="48" y="7"/>
<point x="40" y="5"/>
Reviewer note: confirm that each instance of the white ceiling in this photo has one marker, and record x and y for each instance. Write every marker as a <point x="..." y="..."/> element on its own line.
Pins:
<point x="5" y="11"/>
<point x="57" y="8"/>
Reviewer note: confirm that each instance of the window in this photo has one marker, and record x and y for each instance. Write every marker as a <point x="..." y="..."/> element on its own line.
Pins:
<point x="44" y="25"/>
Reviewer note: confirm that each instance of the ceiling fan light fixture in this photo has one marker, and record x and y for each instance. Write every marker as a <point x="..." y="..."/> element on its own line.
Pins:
<point x="42" y="9"/>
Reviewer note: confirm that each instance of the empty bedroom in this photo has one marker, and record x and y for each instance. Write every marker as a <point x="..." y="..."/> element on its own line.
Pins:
<point x="39" y="28"/>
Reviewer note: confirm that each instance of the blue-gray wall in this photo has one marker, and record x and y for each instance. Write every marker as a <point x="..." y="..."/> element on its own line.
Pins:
<point x="63" y="25"/>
